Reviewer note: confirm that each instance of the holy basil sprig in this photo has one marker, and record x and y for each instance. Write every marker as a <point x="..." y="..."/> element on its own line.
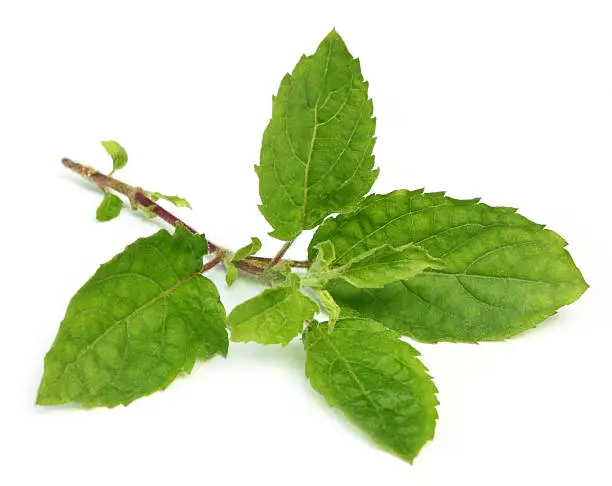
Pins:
<point x="409" y="263"/>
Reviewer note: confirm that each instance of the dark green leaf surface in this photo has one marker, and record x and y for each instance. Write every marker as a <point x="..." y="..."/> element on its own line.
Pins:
<point x="143" y="318"/>
<point x="117" y="153"/>
<point x="275" y="316"/>
<point x="109" y="208"/>
<point x="377" y="381"/>
<point x="316" y="156"/>
<point x="502" y="273"/>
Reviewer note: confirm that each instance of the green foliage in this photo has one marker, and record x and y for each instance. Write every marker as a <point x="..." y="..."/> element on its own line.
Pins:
<point x="423" y="265"/>
<point x="325" y="254"/>
<point x="275" y="316"/>
<point x="246" y="251"/>
<point x="316" y="156"/>
<point x="117" y="153"/>
<point x="293" y="281"/>
<point x="176" y="200"/>
<point x="143" y="318"/>
<point x="109" y="208"/>
<point x="377" y="381"/>
<point x="502" y="273"/>
<point x="329" y="304"/>
<point x="382" y="265"/>
<point x="231" y="275"/>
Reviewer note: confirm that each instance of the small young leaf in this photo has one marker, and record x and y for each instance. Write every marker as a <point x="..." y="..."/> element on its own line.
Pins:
<point x="502" y="273"/>
<point x="148" y="212"/>
<point x="376" y="380"/>
<point x="384" y="265"/>
<point x="176" y="200"/>
<point x="275" y="316"/>
<point x="246" y="251"/>
<point x="231" y="275"/>
<point x="117" y="153"/>
<point x="143" y="318"/>
<point x="109" y="208"/>
<point x="293" y="281"/>
<point x="316" y="156"/>
<point x="332" y="309"/>
<point x="325" y="255"/>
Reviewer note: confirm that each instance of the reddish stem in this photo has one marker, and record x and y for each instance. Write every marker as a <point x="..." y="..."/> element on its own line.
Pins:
<point x="281" y="253"/>
<point x="252" y="265"/>
<point x="211" y="264"/>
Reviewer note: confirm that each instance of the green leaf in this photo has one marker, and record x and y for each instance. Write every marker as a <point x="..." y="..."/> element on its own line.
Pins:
<point x="109" y="208"/>
<point x="143" y="318"/>
<point x="316" y="156"/>
<point x="231" y="275"/>
<point x="117" y="153"/>
<point x="384" y="265"/>
<point x="292" y="280"/>
<point x="246" y="251"/>
<point x="325" y="254"/>
<point x="376" y="380"/>
<point x="502" y="273"/>
<point x="147" y="211"/>
<point x="275" y="316"/>
<point x="332" y="309"/>
<point x="176" y="200"/>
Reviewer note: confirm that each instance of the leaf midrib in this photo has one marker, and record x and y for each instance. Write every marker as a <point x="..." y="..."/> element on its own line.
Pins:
<point x="312" y="141"/>
<point x="427" y="273"/>
<point x="355" y="378"/>
<point x="115" y="324"/>
<point x="307" y="167"/>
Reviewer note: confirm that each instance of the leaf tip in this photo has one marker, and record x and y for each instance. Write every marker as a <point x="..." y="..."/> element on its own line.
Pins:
<point x="116" y="152"/>
<point x="333" y="35"/>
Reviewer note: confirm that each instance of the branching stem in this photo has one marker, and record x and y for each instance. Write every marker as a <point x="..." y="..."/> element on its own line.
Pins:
<point x="281" y="253"/>
<point x="253" y="265"/>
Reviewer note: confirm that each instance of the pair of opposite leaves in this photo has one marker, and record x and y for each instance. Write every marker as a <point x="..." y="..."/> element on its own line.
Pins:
<point x="489" y="273"/>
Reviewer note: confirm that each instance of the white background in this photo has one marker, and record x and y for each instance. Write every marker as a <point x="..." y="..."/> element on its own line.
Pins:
<point x="510" y="101"/>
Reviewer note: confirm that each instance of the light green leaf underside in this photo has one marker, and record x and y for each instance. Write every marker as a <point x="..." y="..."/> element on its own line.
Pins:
<point x="109" y="208"/>
<point x="376" y="380"/>
<point x="246" y="251"/>
<point x="503" y="273"/>
<point x="275" y="316"/>
<point x="231" y="275"/>
<point x="316" y="156"/>
<point x="292" y="280"/>
<point x="324" y="257"/>
<point x="176" y="200"/>
<point x="117" y="153"/>
<point x="143" y="318"/>
<point x="386" y="264"/>
<point x="329" y="304"/>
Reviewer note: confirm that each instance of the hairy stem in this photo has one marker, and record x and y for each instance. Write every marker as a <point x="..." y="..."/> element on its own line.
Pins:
<point x="281" y="253"/>
<point x="138" y="199"/>
<point x="211" y="264"/>
<point x="292" y="263"/>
